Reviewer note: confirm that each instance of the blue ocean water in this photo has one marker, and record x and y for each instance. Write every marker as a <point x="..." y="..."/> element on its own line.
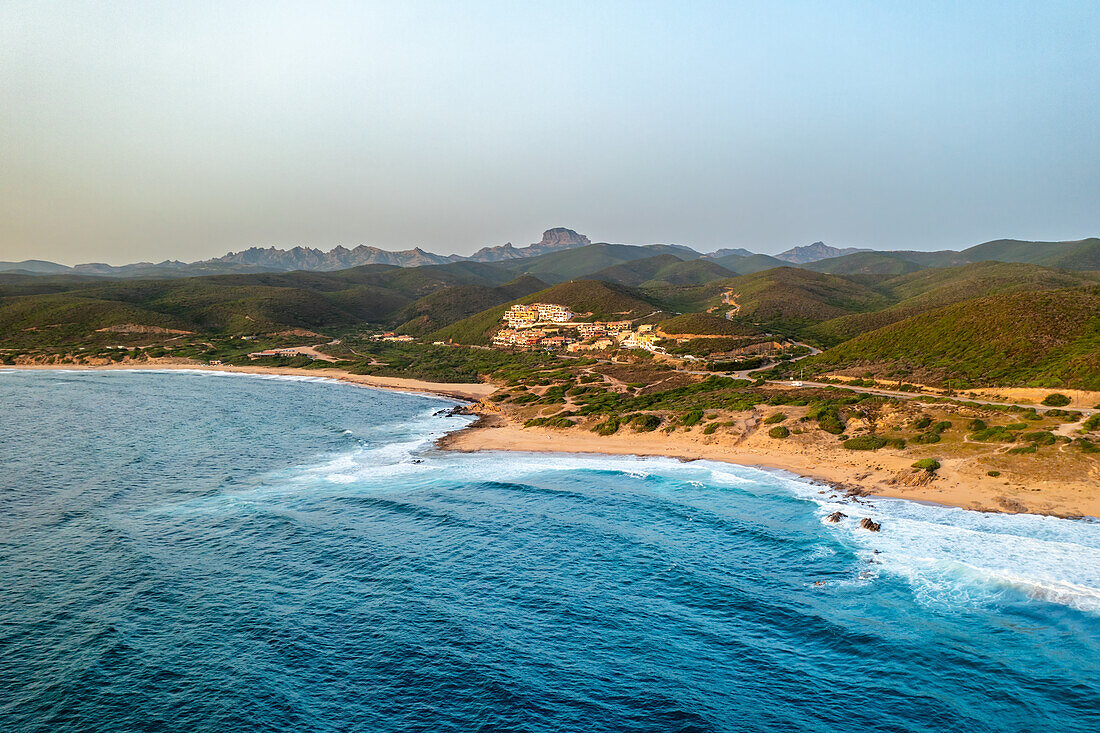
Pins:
<point x="203" y="552"/>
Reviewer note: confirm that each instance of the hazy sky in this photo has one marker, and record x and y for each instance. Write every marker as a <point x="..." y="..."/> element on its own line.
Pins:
<point x="145" y="130"/>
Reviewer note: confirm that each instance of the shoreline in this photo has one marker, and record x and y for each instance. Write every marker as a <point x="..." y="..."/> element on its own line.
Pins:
<point x="460" y="391"/>
<point x="852" y="474"/>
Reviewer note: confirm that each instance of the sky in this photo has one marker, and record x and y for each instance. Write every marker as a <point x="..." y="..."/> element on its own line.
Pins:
<point x="155" y="130"/>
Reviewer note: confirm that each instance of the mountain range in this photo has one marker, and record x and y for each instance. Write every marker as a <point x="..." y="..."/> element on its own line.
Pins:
<point x="1023" y="322"/>
<point x="1074" y="255"/>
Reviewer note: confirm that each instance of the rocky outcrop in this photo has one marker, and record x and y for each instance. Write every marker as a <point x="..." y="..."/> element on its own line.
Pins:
<point x="912" y="478"/>
<point x="337" y="258"/>
<point x="868" y="524"/>
<point x="553" y="240"/>
<point x="835" y="517"/>
<point x="814" y="252"/>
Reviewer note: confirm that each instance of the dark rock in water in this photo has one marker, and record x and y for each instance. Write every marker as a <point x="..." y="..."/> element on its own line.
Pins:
<point x="836" y="517"/>
<point x="869" y="525"/>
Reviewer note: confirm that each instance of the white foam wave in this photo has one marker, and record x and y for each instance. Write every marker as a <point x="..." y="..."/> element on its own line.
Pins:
<point x="953" y="556"/>
<point x="950" y="557"/>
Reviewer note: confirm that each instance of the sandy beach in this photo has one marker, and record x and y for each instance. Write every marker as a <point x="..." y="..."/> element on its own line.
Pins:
<point x="1069" y="488"/>
<point x="467" y="392"/>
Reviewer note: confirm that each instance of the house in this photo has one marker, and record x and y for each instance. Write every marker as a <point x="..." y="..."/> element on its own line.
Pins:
<point x="504" y="337"/>
<point x="553" y="342"/>
<point x="587" y="330"/>
<point x="528" y="338"/>
<point x="553" y="313"/>
<point x="521" y="316"/>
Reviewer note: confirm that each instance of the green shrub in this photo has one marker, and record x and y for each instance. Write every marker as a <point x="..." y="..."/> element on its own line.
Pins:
<point x="927" y="464"/>
<point x="691" y="418"/>
<point x="1056" y="399"/>
<point x="779" y="431"/>
<point x="1040" y="437"/>
<point x="644" y="423"/>
<point x="995" y="434"/>
<point x="1093" y="423"/>
<point x="774" y="418"/>
<point x="941" y="426"/>
<point x="710" y="429"/>
<point x="829" y="421"/>
<point x="1087" y="446"/>
<point x="994" y="474"/>
<point x="1016" y="426"/>
<point x="1023" y="449"/>
<point x="926" y="438"/>
<point x="865" y="442"/>
<point x="898" y="443"/>
<point x="922" y="422"/>
<point x="607" y="427"/>
<point x="976" y="425"/>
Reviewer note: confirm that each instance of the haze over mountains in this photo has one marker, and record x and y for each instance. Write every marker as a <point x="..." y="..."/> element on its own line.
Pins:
<point x="1078" y="255"/>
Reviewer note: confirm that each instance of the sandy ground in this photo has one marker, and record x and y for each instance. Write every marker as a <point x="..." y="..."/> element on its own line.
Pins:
<point x="462" y="391"/>
<point x="1080" y="399"/>
<point x="960" y="482"/>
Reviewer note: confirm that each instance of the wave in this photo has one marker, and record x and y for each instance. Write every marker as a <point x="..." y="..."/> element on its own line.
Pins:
<point x="950" y="557"/>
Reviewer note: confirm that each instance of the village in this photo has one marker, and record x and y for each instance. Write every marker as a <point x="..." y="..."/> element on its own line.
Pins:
<point x="550" y="326"/>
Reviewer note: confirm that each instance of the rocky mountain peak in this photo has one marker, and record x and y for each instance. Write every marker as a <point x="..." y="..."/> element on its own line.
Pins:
<point x="814" y="252"/>
<point x="562" y="238"/>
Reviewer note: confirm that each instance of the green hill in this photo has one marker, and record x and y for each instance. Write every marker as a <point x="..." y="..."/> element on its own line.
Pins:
<point x="929" y="289"/>
<point x="867" y="263"/>
<point x="1083" y="254"/>
<point x="661" y="271"/>
<point x="635" y="272"/>
<point x="451" y="304"/>
<point x="583" y="261"/>
<point x="749" y="265"/>
<point x="72" y="308"/>
<point x="692" y="272"/>
<point x="706" y="324"/>
<point x="1047" y="339"/>
<point x="789" y="299"/>
<point x="604" y="301"/>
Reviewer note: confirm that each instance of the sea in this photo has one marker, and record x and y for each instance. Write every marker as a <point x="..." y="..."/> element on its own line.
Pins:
<point x="197" y="551"/>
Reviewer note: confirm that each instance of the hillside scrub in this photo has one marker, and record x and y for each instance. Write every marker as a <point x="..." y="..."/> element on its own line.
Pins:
<point x="707" y="324"/>
<point x="1048" y="338"/>
<point x="864" y="442"/>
